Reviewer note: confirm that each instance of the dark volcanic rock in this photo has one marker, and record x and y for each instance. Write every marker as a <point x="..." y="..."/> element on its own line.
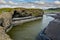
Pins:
<point x="53" y="29"/>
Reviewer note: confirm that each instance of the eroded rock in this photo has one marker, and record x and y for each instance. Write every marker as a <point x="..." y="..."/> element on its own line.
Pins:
<point x="6" y="19"/>
<point x="3" y="35"/>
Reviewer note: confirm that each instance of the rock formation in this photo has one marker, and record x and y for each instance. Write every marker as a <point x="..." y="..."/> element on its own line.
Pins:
<point x="5" y="19"/>
<point x="3" y="35"/>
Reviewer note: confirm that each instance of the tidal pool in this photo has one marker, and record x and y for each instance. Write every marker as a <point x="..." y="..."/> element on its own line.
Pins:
<point x="29" y="30"/>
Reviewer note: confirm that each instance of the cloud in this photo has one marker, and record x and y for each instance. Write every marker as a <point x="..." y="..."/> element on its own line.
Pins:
<point x="6" y="6"/>
<point x="11" y="2"/>
<point x="2" y="1"/>
<point x="16" y="3"/>
<point x="45" y="5"/>
<point x="57" y="2"/>
<point x="36" y="4"/>
<point x="40" y="2"/>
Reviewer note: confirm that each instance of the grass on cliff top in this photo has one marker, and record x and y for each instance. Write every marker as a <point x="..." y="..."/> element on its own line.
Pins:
<point x="5" y="10"/>
<point x="52" y="10"/>
<point x="12" y="9"/>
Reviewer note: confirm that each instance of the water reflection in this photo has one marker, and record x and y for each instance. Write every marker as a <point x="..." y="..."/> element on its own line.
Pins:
<point x="29" y="31"/>
<point x="46" y="20"/>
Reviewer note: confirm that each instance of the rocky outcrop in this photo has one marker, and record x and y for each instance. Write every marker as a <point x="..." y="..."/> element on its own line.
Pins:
<point x="3" y="35"/>
<point x="5" y="19"/>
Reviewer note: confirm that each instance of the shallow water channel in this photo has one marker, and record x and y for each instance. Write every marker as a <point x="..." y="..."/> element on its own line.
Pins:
<point x="29" y="30"/>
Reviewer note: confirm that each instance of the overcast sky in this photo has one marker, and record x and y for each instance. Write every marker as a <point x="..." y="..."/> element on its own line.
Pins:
<point x="44" y="4"/>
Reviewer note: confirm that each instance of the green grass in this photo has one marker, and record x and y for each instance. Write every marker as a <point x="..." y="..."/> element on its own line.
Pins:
<point x="51" y="10"/>
<point x="5" y="10"/>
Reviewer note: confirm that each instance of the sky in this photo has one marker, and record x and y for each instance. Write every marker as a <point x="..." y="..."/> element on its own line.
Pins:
<point x="43" y="4"/>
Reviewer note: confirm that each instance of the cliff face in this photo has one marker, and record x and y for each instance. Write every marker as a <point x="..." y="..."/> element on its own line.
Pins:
<point x="5" y="19"/>
<point x="30" y="12"/>
<point x="3" y="35"/>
